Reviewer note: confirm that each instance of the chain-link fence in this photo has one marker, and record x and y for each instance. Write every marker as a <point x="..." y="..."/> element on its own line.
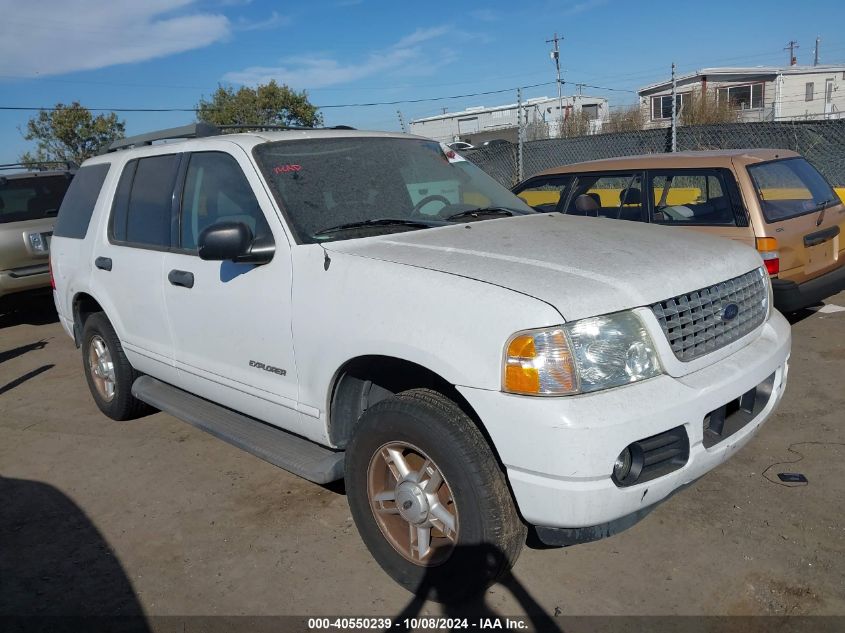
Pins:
<point x="821" y="142"/>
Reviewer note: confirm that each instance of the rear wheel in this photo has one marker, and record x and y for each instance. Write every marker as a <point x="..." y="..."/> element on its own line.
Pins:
<point x="108" y="372"/>
<point x="429" y="498"/>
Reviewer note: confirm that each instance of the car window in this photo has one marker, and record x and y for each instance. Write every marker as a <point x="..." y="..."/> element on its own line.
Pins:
<point x="216" y="190"/>
<point x="544" y="193"/>
<point x="617" y="196"/>
<point x="790" y="187"/>
<point x="691" y="197"/>
<point x="31" y="198"/>
<point x="143" y="205"/>
<point x="79" y="201"/>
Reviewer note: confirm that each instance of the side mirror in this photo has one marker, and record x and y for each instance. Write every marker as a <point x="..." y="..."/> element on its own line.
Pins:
<point x="234" y="241"/>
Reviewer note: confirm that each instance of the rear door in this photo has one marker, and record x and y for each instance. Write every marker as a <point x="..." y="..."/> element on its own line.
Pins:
<point x="706" y="200"/>
<point x="803" y="213"/>
<point x="127" y="267"/>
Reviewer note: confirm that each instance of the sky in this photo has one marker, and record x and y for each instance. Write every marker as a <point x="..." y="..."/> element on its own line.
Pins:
<point x="170" y="53"/>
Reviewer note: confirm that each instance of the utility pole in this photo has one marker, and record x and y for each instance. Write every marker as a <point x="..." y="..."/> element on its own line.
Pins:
<point x="674" y="111"/>
<point x="401" y="121"/>
<point x="791" y="46"/>
<point x="519" y="134"/>
<point x="555" y="55"/>
<point x="816" y="53"/>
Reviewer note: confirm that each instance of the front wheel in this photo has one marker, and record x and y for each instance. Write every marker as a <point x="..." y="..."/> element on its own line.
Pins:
<point x="429" y="498"/>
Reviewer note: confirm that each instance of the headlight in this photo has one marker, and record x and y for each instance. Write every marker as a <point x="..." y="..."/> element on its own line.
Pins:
<point x="579" y="357"/>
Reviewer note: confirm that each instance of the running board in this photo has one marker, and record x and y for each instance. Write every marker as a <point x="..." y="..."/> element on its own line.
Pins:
<point x="285" y="450"/>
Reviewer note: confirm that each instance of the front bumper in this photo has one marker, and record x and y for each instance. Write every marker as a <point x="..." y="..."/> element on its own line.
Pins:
<point x="790" y="296"/>
<point x="559" y="452"/>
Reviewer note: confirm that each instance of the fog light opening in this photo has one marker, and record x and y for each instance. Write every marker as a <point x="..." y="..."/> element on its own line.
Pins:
<point x="622" y="465"/>
<point x="627" y="466"/>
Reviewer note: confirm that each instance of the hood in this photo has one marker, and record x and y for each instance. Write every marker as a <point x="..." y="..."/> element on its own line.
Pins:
<point x="581" y="266"/>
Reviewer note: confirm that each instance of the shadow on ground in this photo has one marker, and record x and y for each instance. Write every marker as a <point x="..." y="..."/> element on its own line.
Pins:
<point x="54" y="562"/>
<point x="37" y="310"/>
<point x="458" y="601"/>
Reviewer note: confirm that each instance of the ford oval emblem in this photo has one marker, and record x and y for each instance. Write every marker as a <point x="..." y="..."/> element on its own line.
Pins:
<point x="729" y="312"/>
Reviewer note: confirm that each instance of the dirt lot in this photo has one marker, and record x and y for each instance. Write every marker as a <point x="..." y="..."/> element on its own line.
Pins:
<point x="157" y="517"/>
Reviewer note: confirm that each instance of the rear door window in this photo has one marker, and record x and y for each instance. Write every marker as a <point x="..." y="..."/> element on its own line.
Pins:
<point x="544" y="193"/>
<point x="142" y="213"/>
<point x="80" y="200"/>
<point x="617" y="196"/>
<point x="790" y="187"/>
<point x="691" y="197"/>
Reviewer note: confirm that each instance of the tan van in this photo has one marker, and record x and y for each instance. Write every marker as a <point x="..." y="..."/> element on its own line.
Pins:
<point x="771" y="199"/>
<point x="29" y="202"/>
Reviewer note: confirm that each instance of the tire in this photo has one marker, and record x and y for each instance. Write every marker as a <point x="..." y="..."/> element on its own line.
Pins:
<point x="117" y="403"/>
<point x="488" y="533"/>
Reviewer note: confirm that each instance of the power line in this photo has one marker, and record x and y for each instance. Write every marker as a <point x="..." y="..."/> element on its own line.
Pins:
<point x="333" y="105"/>
<point x="321" y="107"/>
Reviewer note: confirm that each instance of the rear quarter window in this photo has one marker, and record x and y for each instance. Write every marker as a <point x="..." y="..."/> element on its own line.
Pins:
<point x="80" y="200"/>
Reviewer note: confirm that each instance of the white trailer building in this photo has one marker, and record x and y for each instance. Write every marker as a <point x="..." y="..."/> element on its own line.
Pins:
<point x="478" y="124"/>
<point x="760" y="93"/>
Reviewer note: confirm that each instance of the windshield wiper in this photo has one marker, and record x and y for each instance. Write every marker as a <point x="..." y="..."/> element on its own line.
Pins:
<point x="375" y="222"/>
<point x="822" y="206"/>
<point x="477" y="213"/>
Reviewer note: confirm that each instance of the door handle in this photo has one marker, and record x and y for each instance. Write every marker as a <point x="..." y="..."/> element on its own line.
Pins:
<point x="103" y="263"/>
<point x="181" y="278"/>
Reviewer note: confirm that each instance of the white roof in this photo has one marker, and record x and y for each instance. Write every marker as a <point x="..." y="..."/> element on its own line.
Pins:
<point x="751" y="71"/>
<point x="246" y="140"/>
<point x="473" y="110"/>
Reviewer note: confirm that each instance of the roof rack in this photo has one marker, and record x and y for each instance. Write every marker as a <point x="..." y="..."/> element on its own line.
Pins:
<point x="41" y="165"/>
<point x="200" y="130"/>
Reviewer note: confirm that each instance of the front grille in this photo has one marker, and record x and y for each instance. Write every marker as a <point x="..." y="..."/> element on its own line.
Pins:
<point x="694" y="323"/>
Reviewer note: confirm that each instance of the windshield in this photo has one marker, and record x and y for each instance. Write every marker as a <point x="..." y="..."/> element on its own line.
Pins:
<point x="31" y="198"/>
<point x="790" y="187"/>
<point x="342" y="188"/>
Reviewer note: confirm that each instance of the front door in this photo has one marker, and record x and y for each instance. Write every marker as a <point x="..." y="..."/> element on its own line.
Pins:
<point x="231" y="322"/>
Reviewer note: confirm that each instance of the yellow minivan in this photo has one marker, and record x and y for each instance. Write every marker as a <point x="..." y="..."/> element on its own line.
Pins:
<point x="771" y="199"/>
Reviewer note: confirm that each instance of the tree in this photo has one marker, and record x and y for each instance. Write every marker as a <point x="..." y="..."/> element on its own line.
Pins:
<point x="70" y="133"/>
<point x="704" y="109"/>
<point x="270" y="104"/>
<point x="576" y="124"/>
<point x="624" y="119"/>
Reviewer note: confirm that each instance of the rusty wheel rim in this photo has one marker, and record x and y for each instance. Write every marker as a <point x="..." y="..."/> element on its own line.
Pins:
<point x="412" y="503"/>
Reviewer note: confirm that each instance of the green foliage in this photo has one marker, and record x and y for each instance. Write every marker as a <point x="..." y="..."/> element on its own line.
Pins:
<point x="270" y="104"/>
<point x="70" y="133"/>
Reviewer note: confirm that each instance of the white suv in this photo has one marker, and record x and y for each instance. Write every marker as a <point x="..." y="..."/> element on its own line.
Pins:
<point x="368" y="306"/>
